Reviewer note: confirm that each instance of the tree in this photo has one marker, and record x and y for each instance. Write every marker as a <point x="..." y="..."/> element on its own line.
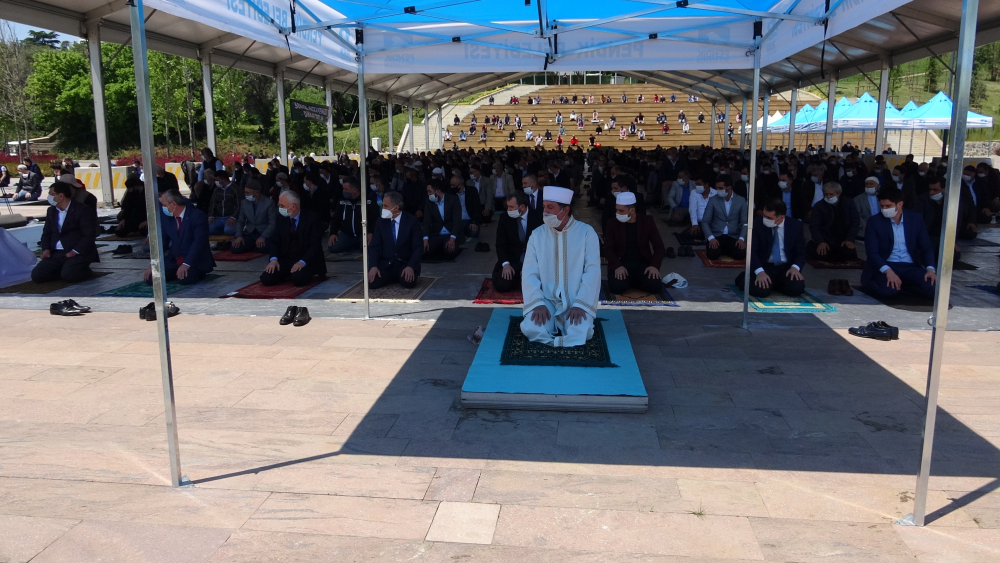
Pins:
<point x="229" y="95"/>
<point x="42" y="39"/>
<point x="15" y="68"/>
<point x="933" y="75"/>
<point x="988" y="57"/>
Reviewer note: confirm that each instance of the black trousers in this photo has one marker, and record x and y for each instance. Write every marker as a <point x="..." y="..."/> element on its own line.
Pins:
<point x="727" y="247"/>
<point x="299" y="278"/>
<point x="502" y="285"/>
<point x="194" y="275"/>
<point x="129" y="228"/>
<point x="836" y="252"/>
<point x="435" y="246"/>
<point x="636" y="277"/>
<point x="779" y="282"/>
<point x="394" y="274"/>
<point x="58" y="267"/>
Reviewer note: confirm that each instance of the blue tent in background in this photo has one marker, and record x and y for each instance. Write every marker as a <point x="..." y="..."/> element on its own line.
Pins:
<point x="863" y="116"/>
<point x="781" y="125"/>
<point x="936" y="114"/>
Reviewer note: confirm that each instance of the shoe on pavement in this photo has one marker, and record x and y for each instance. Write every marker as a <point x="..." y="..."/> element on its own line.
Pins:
<point x="289" y="316"/>
<point x="302" y="317"/>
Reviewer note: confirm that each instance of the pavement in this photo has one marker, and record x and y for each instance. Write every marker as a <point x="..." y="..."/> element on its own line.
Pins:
<point x="344" y="440"/>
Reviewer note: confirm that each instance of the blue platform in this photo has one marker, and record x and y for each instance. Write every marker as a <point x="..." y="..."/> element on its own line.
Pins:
<point x="604" y="389"/>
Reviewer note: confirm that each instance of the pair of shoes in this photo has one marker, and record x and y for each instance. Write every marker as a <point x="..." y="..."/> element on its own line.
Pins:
<point x="68" y="308"/>
<point x="879" y="330"/>
<point x="122" y="249"/>
<point x="148" y="313"/>
<point x="295" y="316"/>
<point x="839" y="287"/>
<point x="671" y="253"/>
<point x="685" y="250"/>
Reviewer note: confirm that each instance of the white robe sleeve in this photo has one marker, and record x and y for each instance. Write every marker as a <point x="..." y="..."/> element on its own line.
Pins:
<point x="589" y="292"/>
<point x="531" y="279"/>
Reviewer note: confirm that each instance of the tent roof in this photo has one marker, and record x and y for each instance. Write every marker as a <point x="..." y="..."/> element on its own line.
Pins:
<point x="704" y="45"/>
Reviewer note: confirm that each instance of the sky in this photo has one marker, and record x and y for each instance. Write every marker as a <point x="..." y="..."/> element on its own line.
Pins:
<point x="22" y="31"/>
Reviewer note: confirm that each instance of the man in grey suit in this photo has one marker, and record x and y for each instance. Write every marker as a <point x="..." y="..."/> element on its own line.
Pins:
<point x="500" y="188"/>
<point x="255" y="221"/>
<point x="484" y="186"/>
<point x="867" y="203"/>
<point x="725" y="222"/>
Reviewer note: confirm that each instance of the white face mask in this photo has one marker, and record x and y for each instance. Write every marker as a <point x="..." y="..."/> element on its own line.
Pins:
<point x="283" y="212"/>
<point x="832" y="200"/>
<point x="967" y="177"/>
<point x="551" y="220"/>
<point x="433" y="198"/>
<point x="699" y="189"/>
<point x="889" y="213"/>
<point x="783" y="185"/>
<point x="52" y="200"/>
<point x="981" y="174"/>
<point x="770" y="223"/>
<point x="622" y="218"/>
<point x="250" y="198"/>
<point x="937" y="197"/>
<point x="765" y="171"/>
<point x="515" y="214"/>
<point x="715" y="169"/>
<point x="386" y="214"/>
<point x="816" y="180"/>
<point x="896" y="179"/>
<point x="871" y="191"/>
<point x="529" y="191"/>
<point x="922" y="174"/>
<point x="849" y="173"/>
<point x="745" y="177"/>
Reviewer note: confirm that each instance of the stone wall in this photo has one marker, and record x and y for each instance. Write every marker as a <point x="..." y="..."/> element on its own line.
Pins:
<point x="982" y="148"/>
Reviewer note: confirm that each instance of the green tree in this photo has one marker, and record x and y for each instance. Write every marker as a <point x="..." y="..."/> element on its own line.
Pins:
<point x="933" y="75"/>
<point x="229" y="96"/>
<point x="977" y="91"/>
<point x="988" y="57"/>
<point x="42" y="39"/>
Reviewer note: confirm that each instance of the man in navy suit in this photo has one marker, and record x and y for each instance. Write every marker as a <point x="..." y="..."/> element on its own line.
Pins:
<point x="900" y="257"/>
<point x="778" y="253"/>
<point x="397" y="246"/>
<point x="296" y="249"/>
<point x="513" y="231"/>
<point x="67" y="238"/>
<point x="187" y="254"/>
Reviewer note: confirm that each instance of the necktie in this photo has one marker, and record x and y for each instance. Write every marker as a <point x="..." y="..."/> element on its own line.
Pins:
<point x="521" y="235"/>
<point x="179" y="223"/>
<point x="395" y="230"/>
<point x="293" y="221"/>
<point x="776" y="248"/>
<point x="532" y="201"/>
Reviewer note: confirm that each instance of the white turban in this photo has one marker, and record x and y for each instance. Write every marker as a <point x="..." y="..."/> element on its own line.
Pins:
<point x="873" y="179"/>
<point x="625" y="198"/>
<point x="557" y="194"/>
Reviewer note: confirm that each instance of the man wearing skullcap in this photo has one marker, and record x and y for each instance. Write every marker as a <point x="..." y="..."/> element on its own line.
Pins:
<point x="633" y="247"/>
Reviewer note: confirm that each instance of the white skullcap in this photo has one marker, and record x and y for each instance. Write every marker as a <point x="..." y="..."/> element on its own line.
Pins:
<point x="439" y="171"/>
<point x="417" y="163"/>
<point x="557" y="194"/>
<point x="70" y="179"/>
<point x="873" y="179"/>
<point x="625" y="198"/>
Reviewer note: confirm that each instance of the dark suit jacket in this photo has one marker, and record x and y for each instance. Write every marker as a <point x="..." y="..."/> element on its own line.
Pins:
<point x="191" y="242"/>
<point x="409" y="246"/>
<point x="879" y="240"/>
<point x="802" y="197"/>
<point x="647" y="235"/>
<point x="933" y="214"/>
<point x="318" y="202"/>
<point x="763" y="242"/>
<point x="78" y="231"/>
<point x="821" y="222"/>
<point x="307" y="246"/>
<point x="509" y="246"/>
<point x="473" y="205"/>
<point x="433" y="221"/>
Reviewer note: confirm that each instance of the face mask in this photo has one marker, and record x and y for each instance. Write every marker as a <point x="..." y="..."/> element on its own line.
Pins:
<point x="765" y="171"/>
<point x="251" y="198"/>
<point x="745" y="177"/>
<point x="871" y="191"/>
<point x="783" y="185"/>
<point x="889" y="213"/>
<point x="966" y="177"/>
<point x="386" y="214"/>
<point x="529" y="191"/>
<point x="713" y="192"/>
<point x="815" y="180"/>
<point x="832" y="200"/>
<point x="283" y="212"/>
<point x="433" y="198"/>
<point x="849" y="173"/>
<point x="922" y="174"/>
<point x="699" y="189"/>
<point x="550" y="220"/>
<point x="621" y="218"/>
<point x="514" y="214"/>
<point x="52" y="200"/>
<point x="218" y="183"/>
<point x="981" y="175"/>
<point x="715" y="169"/>
<point x="896" y="179"/>
<point x="167" y="212"/>
<point x="937" y="197"/>
<point x="769" y="223"/>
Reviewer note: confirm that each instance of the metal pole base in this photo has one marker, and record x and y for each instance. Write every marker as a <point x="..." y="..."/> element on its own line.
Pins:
<point x="906" y="521"/>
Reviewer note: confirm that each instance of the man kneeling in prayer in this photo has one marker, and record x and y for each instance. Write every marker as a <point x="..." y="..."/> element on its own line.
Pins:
<point x="561" y="276"/>
<point x="633" y="247"/>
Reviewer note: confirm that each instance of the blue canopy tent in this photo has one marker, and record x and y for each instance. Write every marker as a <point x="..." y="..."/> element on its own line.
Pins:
<point x="936" y="114"/>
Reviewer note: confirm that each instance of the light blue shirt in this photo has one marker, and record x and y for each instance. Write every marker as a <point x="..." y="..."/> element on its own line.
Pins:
<point x="465" y="214"/>
<point x="787" y="198"/>
<point x="899" y="251"/>
<point x="201" y="169"/>
<point x="873" y="204"/>
<point x="444" y="230"/>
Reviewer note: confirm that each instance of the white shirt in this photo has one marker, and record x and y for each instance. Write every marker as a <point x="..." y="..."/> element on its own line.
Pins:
<point x="696" y="207"/>
<point x="62" y="218"/>
<point x="729" y="207"/>
<point x="818" y="193"/>
<point x="499" y="190"/>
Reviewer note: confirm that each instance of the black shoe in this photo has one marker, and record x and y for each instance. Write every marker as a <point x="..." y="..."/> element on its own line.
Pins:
<point x="171" y="309"/>
<point x="143" y="310"/>
<point x="671" y="253"/>
<point x="150" y="312"/>
<point x="893" y="331"/>
<point x="82" y="308"/>
<point x="871" y="331"/>
<point x="289" y="315"/>
<point x="302" y="317"/>
<point x="122" y="250"/>
<point x="64" y="310"/>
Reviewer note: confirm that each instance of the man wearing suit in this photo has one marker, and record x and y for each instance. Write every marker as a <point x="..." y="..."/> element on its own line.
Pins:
<point x="316" y="198"/>
<point x="795" y="194"/>
<point x="442" y="221"/>
<point x="345" y="226"/>
<point x="187" y="254"/>
<point x="513" y="231"/>
<point x="296" y="250"/>
<point x="931" y="206"/>
<point x="531" y="188"/>
<point x="255" y="221"/>
<point x="778" y="254"/>
<point x="501" y="187"/>
<point x="725" y="222"/>
<point x="900" y="257"/>
<point x="834" y="225"/>
<point x="483" y="186"/>
<point x="67" y="239"/>
<point x="396" y="247"/>
<point x="633" y="247"/>
<point x="558" y="176"/>
<point x="471" y="205"/>
<point x="867" y="203"/>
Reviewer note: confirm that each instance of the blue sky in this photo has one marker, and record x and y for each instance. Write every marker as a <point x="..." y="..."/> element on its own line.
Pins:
<point x="22" y="31"/>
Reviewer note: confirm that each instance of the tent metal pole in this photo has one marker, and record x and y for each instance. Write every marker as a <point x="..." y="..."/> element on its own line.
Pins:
<point x="791" y="118"/>
<point x="910" y="150"/>
<point x="946" y="249"/>
<point x="427" y="127"/>
<point x="153" y="217"/>
<point x="409" y="105"/>
<point x="753" y="184"/>
<point x="743" y="124"/>
<point x="725" y="127"/>
<point x="363" y="146"/>
<point x="206" y="86"/>
<point x="100" y="112"/>
<point x="950" y="90"/>
<point x="440" y="121"/>
<point x="883" y="102"/>
<point x="388" y="105"/>
<point x="831" y="102"/>
<point x="711" y="133"/>
<point x="330" y="144"/>
<point x="279" y="81"/>
<point x="763" y="132"/>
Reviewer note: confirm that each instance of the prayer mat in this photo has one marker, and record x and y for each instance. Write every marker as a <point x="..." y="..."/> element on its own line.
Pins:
<point x="392" y="293"/>
<point x="519" y="351"/>
<point x="685" y="239"/>
<point x="724" y="262"/>
<point x="987" y="288"/>
<point x="781" y="303"/>
<point x="220" y="238"/>
<point x="227" y="256"/>
<point x="133" y="255"/>
<point x="488" y="295"/>
<point x="142" y="289"/>
<point x="439" y="258"/>
<point x="824" y="265"/>
<point x="904" y="302"/>
<point x="286" y="290"/>
<point x="30" y="287"/>
<point x="343" y="257"/>
<point x="116" y="238"/>
<point x="637" y="298"/>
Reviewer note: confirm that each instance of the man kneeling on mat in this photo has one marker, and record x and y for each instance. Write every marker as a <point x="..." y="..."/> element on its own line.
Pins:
<point x="777" y="255"/>
<point x="633" y="247"/>
<point x="296" y="249"/>
<point x="397" y="246"/>
<point x="900" y="257"/>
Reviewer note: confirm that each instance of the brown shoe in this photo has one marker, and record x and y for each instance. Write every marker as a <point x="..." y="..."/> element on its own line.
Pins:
<point x="845" y="288"/>
<point x="833" y="288"/>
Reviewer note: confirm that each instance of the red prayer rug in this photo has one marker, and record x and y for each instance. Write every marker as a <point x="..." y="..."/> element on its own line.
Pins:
<point x="724" y="262"/>
<point x="228" y="256"/>
<point x="257" y="290"/>
<point x="488" y="295"/>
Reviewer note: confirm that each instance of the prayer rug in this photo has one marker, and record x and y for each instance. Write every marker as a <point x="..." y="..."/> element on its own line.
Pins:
<point x="488" y="295"/>
<point x="133" y="255"/>
<point x="637" y="298"/>
<point x="392" y="293"/>
<point x="286" y="290"/>
<point x="30" y="287"/>
<point x="343" y="257"/>
<point x="824" y="265"/>
<point x="142" y="289"/>
<point x="439" y="257"/>
<point x="227" y="256"/>
<point x="724" y="262"/>
<point x="781" y="303"/>
<point x="685" y="239"/>
<point x="220" y="238"/>
<point x="519" y="351"/>
<point x="116" y="238"/>
<point x="492" y="383"/>
<point x="904" y="302"/>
